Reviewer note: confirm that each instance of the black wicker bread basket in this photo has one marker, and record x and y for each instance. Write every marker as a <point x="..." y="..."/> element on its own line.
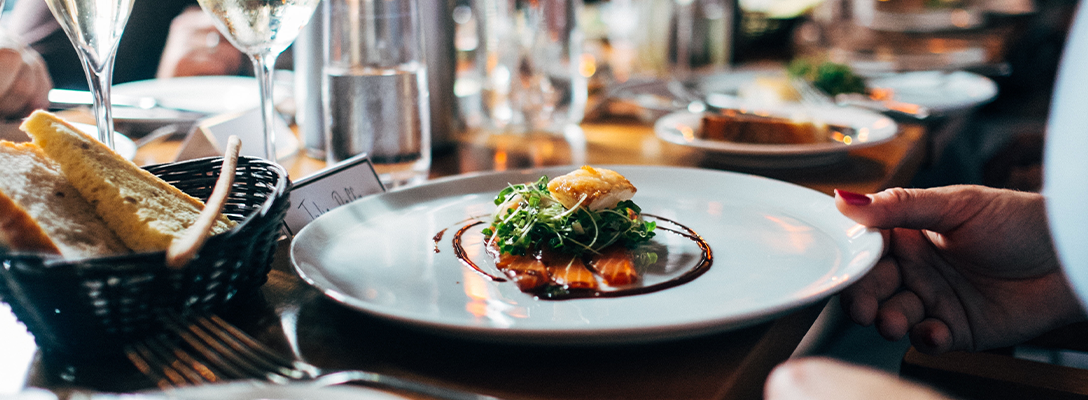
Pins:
<point x="86" y="307"/>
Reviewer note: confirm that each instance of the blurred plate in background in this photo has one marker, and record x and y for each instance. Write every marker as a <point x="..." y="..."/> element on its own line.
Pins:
<point x="124" y="146"/>
<point x="683" y="128"/>
<point x="184" y="101"/>
<point x="940" y="91"/>
<point x="205" y="94"/>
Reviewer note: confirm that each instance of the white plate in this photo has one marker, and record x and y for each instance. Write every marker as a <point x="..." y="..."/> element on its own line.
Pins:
<point x="730" y="82"/>
<point x="941" y="92"/>
<point x="776" y="247"/>
<point x="206" y="94"/>
<point x="683" y="127"/>
<point x="124" y="146"/>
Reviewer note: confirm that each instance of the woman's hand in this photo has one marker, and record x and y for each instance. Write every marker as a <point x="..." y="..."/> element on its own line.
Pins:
<point x="965" y="268"/>
<point x="24" y="79"/>
<point x="195" y="47"/>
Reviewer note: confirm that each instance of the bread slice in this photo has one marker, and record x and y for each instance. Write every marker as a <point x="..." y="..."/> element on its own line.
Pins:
<point x="144" y="211"/>
<point x="19" y="231"/>
<point x="41" y="212"/>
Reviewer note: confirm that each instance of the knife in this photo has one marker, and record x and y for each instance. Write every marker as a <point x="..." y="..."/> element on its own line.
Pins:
<point x="67" y="98"/>
<point x="890" y="107"/>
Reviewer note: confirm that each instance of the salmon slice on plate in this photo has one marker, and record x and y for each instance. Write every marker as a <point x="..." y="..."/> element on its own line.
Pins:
<point x="615" y="266"/>
<point x="570" y="272"/>
<point x="526" y="271"/>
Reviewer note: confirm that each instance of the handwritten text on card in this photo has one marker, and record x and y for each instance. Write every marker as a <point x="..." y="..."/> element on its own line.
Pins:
<point x="330" y="188"/>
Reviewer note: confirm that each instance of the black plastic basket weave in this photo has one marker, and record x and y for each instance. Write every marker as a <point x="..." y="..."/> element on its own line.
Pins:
<point x="94" y="306"/>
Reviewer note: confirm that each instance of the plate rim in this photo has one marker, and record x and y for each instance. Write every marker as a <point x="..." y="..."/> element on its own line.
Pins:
<point x="153" y="87"/>
<point x="722" y="86"/>
<point x="988" y="85"/>
<point x="563" y="336"/>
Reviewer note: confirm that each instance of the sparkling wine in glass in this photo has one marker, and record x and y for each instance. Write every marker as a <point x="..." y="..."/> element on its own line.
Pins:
<point x="262" y="29"/>
<point x="95" y="27"/>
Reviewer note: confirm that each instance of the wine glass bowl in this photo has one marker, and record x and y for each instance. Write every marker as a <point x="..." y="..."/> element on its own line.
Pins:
<point x="260" y="26"/>
<point x="262" y="29"/>
<point x="95" y="28"/>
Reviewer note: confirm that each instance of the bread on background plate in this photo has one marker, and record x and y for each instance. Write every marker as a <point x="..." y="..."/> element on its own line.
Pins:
<point x="41" y="212"/>
<point x="146" y="212"/>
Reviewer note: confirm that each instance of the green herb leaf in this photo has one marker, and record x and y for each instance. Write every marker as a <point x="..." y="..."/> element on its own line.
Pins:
<point x="832" y="78"/>
<point x="532" y="219"/>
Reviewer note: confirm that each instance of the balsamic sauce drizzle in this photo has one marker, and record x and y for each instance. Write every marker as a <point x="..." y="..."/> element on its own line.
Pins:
<point x="459" y="250"/>
<point x="438" y="238"/>
<point x="705" y="261"/>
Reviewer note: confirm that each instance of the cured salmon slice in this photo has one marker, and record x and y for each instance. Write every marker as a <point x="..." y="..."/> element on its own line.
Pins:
<point x="571" y="272"/>
<point x="615" y="266"/>
<point x="526" y="271"/>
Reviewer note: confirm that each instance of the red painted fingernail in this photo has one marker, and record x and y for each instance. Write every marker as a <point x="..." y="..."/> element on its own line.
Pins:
<point x="853" y="199"/>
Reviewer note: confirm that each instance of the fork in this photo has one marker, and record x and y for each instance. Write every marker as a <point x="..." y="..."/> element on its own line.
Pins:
<point x="811" y="95"/>
<point x="207" y="349"/>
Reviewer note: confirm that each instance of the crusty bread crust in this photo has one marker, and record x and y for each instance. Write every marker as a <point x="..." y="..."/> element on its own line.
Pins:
<point x="41" y="212"/>
<point x="144" y="211"/>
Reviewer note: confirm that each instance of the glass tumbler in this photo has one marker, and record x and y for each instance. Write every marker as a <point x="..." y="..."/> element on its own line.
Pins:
<point x="375" y="92"/>
<point x="530" y="65"/>
<point x="679" y="38"/>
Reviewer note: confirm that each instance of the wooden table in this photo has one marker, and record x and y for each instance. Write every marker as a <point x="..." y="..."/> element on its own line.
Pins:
<point x="866" y="170"/>
<point x="297" y="318"/>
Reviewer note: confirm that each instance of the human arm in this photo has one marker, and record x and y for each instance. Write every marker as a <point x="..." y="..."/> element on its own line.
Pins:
<point x="965" y="268"/>
<point x="195" y="47"/>
<point x="24" y="79"/>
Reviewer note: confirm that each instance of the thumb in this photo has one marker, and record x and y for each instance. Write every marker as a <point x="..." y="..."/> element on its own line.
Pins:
<point x="823" y="378"/>
<point x="938" y="209"/>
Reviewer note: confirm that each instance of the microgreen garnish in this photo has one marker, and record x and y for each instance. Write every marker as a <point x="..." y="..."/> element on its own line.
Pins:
<point x="528" y="218"/>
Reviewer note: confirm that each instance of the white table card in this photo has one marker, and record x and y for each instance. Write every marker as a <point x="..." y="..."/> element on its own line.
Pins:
<point x="209" y="138"/>
<point x="329" y="188"/>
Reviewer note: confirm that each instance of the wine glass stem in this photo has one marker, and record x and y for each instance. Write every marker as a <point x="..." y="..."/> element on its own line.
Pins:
<point x="100" y="79"/>
<point x="264" y="64"/>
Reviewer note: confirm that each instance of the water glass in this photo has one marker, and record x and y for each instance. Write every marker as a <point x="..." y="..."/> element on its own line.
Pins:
<point x="376" y="97"/>
<point x="528" y="74"/>
<point x="678" y="38"/>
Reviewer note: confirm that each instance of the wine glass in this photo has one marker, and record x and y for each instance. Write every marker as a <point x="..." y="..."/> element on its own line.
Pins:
<point x="95" y="27"/>
<point x="262" y="29"/>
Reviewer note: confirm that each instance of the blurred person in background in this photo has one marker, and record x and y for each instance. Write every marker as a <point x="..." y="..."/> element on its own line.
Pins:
<point x="163" y="39"/>
<point x="24" y="79"/>
<point x="195" y="47"/>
